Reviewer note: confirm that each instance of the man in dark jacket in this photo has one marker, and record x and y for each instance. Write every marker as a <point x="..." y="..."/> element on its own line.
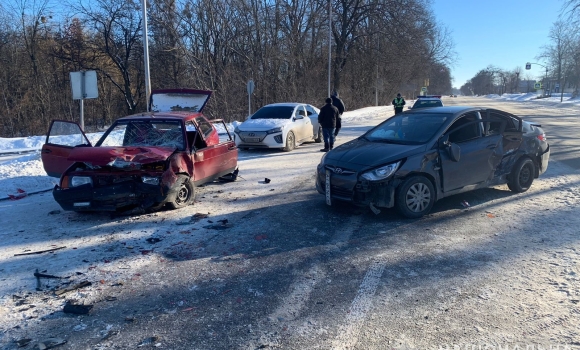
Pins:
<point x="398" y="104"/>
<point x="327" y="119"/>
<point x="337" y="102"/>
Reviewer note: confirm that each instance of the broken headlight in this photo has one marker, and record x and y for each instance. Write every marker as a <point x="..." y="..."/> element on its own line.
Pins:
<point x="382" y="172"/>
<point x="76" y="181"/>
<point x="149" y="180"/>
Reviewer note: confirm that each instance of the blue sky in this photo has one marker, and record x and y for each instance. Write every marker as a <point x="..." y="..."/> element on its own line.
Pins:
<point x="505" y="34"/>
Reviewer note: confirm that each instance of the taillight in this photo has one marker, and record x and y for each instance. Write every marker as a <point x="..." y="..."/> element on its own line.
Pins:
<point x="541" y="137"/>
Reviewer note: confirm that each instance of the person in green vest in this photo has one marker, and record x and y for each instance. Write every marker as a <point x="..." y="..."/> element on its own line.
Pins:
<point x="398" y="103"/>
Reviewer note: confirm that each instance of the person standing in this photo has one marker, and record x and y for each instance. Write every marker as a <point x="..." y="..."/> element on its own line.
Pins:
<point x="327" y="119"/>
<point x="337" y="102"/>
<point x="398" y="103"/>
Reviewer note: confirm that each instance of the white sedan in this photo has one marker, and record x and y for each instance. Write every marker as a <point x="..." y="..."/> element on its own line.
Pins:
<point x="279" y="125"/>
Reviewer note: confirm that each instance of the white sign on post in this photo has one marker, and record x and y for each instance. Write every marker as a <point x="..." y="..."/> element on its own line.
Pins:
<point x="84" y="85"/>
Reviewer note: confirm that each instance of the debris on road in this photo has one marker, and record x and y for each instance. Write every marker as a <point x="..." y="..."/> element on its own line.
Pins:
<point x="76" y="286"/>
<point x="465" y="204"/>
<point x="40" y="251"/>
<point x="50" y="343"/>
<point x="78" y="309"/>
<point x="43" y="275"/>
<point x="153" y="240"/>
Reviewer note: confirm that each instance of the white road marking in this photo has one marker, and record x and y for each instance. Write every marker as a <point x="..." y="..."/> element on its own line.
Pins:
<point x="348" y="333"/>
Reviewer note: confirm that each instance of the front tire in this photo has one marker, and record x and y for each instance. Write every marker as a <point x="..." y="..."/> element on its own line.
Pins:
<point x="290" y="142"/>
<point x="522" y="175"/>
<point x="415" y="197"/>
<point x="318" y="139"/>
<point x="182" y="193"/>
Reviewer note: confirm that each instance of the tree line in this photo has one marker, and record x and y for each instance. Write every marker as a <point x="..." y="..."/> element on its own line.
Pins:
<point x="378" y="48"/>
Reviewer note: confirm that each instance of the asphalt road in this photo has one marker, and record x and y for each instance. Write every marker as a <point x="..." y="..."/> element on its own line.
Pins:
<point x="288" y="272"/>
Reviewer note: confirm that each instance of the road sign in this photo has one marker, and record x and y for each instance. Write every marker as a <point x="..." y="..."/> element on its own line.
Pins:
<point x="528" y="65"/>
<point x="424" y="89"/>
<point x="537" y="85"/>
<point x="250" y="87"/>
<point x="84" y="84"/>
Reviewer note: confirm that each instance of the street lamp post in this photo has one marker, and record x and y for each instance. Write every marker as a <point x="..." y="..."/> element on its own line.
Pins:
<point x="529" y="66"/>
<point x="146" y="55"/>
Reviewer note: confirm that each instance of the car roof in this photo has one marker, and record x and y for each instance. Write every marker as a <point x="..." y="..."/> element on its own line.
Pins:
<point x="288" y="104"/>
<point x="446" y="109"/>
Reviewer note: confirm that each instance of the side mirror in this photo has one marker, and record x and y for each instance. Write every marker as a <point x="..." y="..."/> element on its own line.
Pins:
<point x="454" y="152"/>
<point x="444" y="142"/>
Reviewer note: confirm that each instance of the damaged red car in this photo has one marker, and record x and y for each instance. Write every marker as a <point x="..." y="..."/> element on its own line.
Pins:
<point x="146" y="160"/>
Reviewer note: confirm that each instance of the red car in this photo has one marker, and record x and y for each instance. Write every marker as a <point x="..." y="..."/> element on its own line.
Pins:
<point x="144" y="160"/>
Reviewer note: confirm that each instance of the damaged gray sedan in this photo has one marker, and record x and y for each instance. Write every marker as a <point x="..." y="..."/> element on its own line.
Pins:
<point x="418" y="157"/>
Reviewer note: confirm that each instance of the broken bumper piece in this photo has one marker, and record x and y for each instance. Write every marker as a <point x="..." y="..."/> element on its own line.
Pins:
<point x="117" y="197"/>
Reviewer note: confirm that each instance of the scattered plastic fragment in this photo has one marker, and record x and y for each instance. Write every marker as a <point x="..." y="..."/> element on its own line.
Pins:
<point x="148" y="341"/>
<point x="465" y="204"/>
<point x="490" y="215"/>
<point x="77" y="309"/>
<point x="50" y="343"/>
<point x="153" y="240"/>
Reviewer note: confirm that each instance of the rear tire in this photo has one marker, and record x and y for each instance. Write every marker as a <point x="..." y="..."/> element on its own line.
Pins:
<point x="290" y="142"/>
<point x="182" y="193"/>
<point x="415" y="197"/>
<point x="522" y="175"/>
<point x="319" y="138"/>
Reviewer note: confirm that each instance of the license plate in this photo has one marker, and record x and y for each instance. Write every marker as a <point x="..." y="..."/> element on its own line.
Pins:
<point x="252" y="139"/>
<point x="327" y="188"/>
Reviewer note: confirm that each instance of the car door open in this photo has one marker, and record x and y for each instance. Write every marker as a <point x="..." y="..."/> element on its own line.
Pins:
<point x="63" y="136"/>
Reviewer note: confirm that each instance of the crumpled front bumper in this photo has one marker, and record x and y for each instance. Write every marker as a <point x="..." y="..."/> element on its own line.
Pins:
<point x="115" y="197"/>
<point x="359" y="192"/>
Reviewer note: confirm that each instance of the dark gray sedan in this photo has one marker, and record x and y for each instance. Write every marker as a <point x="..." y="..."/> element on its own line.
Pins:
<point x="418" y="157"/>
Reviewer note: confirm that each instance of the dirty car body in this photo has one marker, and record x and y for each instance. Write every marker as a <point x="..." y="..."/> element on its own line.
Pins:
<point x="144" y="160"/>
<point x="418" y="157"/>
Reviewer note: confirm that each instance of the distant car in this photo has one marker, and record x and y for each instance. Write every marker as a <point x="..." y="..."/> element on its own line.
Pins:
<point x="415" y="158"/>
<point x="144" y="160"/>
<point x="424" y="102"/>
<point x="279" y="125"/>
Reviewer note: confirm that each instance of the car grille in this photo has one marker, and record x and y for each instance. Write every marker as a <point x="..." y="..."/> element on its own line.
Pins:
<point x="252" y="136"/>
<point x="111" y="180"/>
<point x="340" y="171"/>
<point x="340" y="192"/>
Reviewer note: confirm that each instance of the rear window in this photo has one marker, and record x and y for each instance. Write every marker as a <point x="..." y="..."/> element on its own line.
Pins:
<point x="274" y="112"/>
<point x="427" y="103"/>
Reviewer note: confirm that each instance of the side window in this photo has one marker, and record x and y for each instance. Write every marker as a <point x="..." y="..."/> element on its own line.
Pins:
<point x="497" y="119"/>
<point x="194" y="139"/>
<point x="204" y="126"/>
<point x="301" y="112"/>
<point x="310" y="111"/>
<point x="465" y="128"/>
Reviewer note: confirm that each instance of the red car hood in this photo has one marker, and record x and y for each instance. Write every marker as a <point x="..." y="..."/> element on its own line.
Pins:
<point x="101" y="156"/>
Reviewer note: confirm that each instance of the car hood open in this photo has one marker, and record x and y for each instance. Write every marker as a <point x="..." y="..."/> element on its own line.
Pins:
<point x="365" y="153"/>
<point x="101" y="156"/>
<point x="262" y="124"/>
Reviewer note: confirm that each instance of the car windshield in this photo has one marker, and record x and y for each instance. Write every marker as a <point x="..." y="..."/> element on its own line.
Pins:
<point x="148" y="133"/>
<point x="427" y="103"/>
<point x="408" y="128"/>
<point x="274" y="112"/>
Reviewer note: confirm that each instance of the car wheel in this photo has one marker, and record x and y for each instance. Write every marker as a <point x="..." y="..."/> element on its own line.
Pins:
<point x="522" y="175"/>
<point x="319" y="138"/>
<point x="415" y="197"/>
<point x="182" y="193"/>
<point x="290" y="142"/>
